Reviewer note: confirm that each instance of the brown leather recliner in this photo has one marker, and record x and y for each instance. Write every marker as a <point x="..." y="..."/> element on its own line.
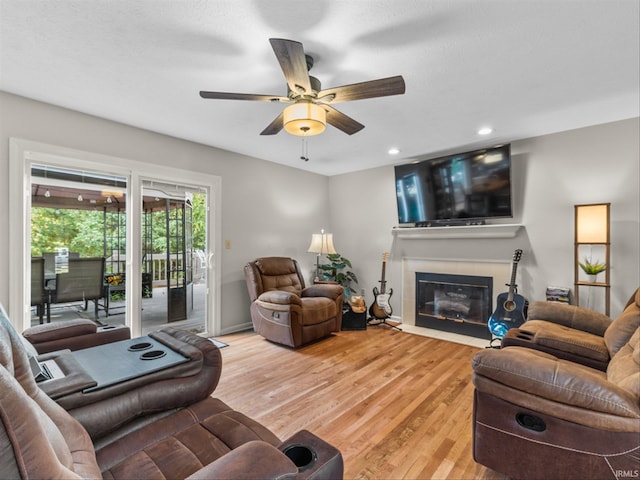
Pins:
<point x="205" y="439"/>
<point x="283" y="310"/>
<point x="575" y="333"/>
<point x="537" y="416"/>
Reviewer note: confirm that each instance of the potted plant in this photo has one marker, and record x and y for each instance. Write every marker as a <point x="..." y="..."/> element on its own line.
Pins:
<point x="592" y="269"/>
<point x="334" y="271"/>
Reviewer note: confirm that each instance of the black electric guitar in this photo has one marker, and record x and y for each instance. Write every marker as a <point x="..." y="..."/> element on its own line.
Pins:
<point x="381" y="308"/>
<point x="511" y="309"/>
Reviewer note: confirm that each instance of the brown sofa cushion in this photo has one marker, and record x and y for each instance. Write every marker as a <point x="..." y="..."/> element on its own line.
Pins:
<point x="624" y="368"/>
<point x="568" y="340"/>
<point x="623" y="327"/>
<point x="179" y="445"/>
<point x="570" y="316"/>
<point x="317" y="310"/>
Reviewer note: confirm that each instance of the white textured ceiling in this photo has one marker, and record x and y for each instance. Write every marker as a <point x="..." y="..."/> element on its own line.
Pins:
<point x="525" y="68"/>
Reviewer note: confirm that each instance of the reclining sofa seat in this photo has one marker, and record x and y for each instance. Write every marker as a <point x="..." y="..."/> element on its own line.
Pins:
<point x="206" y="439"/>
<point x="283" y="310"/>
<point x="577" y="334"/>
<point x="537" y="416"/>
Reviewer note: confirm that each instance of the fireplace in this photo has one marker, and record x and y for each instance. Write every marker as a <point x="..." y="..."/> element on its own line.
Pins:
<point x="454" y="303"/>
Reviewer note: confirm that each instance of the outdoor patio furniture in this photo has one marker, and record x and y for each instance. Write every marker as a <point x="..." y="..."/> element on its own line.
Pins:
<point x="50" y="264"/>
<point x="83" y="281"/>
<point x="39" y="296"/>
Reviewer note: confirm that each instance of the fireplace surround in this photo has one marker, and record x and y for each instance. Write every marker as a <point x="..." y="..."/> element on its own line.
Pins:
<point x="498" y="271"/>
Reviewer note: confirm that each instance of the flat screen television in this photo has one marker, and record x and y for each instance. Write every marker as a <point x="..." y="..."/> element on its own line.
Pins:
<point x="461" y="189"/>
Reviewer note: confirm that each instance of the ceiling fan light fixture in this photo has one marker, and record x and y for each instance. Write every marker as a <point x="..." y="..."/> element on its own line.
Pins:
<point x="304" y="119"/>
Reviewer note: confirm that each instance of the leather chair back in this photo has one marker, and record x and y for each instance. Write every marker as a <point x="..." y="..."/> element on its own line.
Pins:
<point x="38" y="438"/>
<point x="273" y="273"/>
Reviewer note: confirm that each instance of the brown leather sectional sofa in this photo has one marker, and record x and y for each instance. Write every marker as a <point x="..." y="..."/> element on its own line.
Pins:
<point x="155" y="427"/>
<point x="539" y="414"/>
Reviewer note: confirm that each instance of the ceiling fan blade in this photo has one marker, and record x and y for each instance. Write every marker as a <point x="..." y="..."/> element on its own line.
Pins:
<point x="293" y="62"/>
<point x="357" y="91"/>
<point x="243" y="96"/>
<point x="341" y="121"/>
<point x="275" y="126"/>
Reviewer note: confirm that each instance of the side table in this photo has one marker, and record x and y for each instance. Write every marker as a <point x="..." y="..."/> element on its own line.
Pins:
<point x="352" y="320"/>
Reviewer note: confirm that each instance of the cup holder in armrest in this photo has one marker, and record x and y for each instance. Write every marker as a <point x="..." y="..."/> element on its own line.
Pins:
<point x="301" y="455"/>
<point x="137" y="347"/>
<point x="153" y="354"/>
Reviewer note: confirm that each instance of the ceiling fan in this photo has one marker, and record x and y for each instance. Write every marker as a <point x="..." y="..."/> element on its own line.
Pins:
<point x="311" y="107"/>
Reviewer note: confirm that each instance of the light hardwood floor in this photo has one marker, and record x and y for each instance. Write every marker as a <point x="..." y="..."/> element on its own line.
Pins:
<point x="397" y="405"/>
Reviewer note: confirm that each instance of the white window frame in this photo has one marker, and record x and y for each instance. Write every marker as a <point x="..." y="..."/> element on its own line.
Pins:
<point x="24" y="153"/>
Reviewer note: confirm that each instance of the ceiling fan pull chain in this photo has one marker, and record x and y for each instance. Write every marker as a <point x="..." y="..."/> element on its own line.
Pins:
<point x="305" y="150"/>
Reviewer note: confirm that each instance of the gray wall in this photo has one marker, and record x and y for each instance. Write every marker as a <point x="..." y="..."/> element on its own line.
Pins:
<point x="269" y="209"/>
<point x="550" y="174"/>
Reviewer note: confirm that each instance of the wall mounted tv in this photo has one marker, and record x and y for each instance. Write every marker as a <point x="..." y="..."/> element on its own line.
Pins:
<point x="462" y="189"/>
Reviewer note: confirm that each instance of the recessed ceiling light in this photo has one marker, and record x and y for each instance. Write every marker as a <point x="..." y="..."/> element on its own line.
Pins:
<point x="485" y="131"/>
<point x="393" y="151"/>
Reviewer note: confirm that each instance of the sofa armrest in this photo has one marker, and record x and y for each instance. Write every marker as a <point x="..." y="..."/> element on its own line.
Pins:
<point x="280" y="297"/>
<point x="332" y="291"/>
<point x="254" y="460"/>
<point x="73" y="335"/>
<point x="75" y="379"/>
<point x="543" y="375"/>
<point x="301" y="456"/>
<point x="58" y="330"/>
<point x="570" y="316"/>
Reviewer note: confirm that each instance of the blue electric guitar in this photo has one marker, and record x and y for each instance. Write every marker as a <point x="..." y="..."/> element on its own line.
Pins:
<point x="511" y="309"/>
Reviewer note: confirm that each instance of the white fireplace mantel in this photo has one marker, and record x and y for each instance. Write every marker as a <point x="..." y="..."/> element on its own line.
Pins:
<point x="499" y="230"/>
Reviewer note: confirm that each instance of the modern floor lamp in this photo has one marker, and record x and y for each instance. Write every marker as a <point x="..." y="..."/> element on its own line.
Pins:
<point x="321" y="244"/>
<point x="592" y="229"/>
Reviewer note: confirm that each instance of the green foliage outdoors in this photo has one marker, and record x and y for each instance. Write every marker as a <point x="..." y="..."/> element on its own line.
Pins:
<point x="80" y="230"/>
<point x="83" y="231"/>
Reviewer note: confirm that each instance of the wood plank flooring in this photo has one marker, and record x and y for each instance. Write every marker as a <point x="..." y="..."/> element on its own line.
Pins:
<point x="397" y="405"/>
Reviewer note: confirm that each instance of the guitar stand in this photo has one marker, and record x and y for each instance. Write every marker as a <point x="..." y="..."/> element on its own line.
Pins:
<point x="382" y="321"/>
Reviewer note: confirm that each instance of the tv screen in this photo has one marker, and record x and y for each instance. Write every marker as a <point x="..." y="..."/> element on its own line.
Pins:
<point x="464" y="188"/>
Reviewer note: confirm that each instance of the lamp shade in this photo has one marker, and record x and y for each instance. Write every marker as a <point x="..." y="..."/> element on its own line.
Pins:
<point x="304" y="119"/>
<point x="592" y="223"/>
<point x="322" y="243"/>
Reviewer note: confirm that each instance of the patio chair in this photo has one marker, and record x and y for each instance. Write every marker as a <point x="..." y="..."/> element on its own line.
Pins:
<point x="83" y="282"/>
<point x="39" y="296"/>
